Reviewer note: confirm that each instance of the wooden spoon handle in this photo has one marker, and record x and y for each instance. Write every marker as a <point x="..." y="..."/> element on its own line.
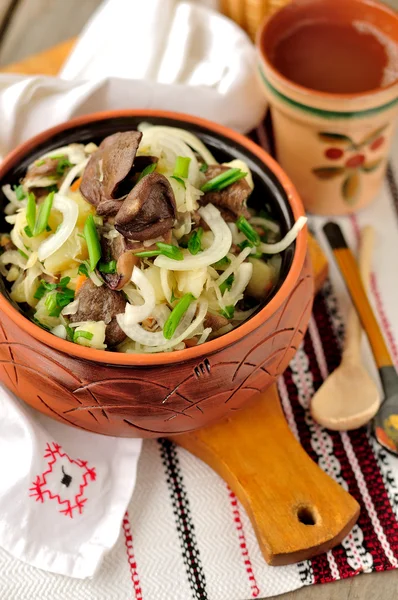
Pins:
<point x="352" y="346"/>
<point x="296" y="510"/>
<point x="349" y="269"/>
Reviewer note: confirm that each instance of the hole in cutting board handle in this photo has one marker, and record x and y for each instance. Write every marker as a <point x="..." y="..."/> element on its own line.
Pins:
<point x="306" y="515"/>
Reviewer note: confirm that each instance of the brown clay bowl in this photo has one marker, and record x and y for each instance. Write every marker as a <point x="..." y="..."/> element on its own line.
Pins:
<point x="160" y="394"/>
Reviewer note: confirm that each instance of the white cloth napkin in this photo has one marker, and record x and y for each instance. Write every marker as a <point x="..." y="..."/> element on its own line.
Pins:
<point x="64" y="492"/>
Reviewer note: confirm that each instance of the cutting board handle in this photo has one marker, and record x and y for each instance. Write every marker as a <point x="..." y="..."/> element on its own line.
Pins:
<point x="296" y="509"/>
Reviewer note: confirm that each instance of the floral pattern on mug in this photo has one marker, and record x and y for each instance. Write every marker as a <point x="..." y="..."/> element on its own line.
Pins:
<point x="357" y="159"/>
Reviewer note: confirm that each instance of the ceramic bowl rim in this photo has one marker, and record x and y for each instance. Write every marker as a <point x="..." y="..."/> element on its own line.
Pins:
<point x="317" y="94"/>
<point x="212" y="346"/>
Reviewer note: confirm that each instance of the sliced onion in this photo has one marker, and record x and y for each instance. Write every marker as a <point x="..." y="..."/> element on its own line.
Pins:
<point x="95" y="279"/>
<point x="165" y="282"/>
<point x="59" y="331"/>
<point x="156" y="339"/>
<point x="36" y="182"/>
<point x="266" y="223"/>
<point x="15" y="204"/>
<point x="189" y="138"/>
<point x="161" y="313"/>
<point x="136" y="314"/>
<point x="71" y="308"/>
<point x="188" y="332"/>
<point x="219" y="248"/>
<point x="15" y="234"/>
<point x="241" y="281"/>
<point x="75" y="153"/>
<point x="237" y="236"/>
<point x="31" y="284"/>
<point x="12" y="257"/>
<point x="204" y="335"/>
<point x="71" y="175"/>
<point x="70" y="212"/>
<point x="233" y="267"/>
<point x="286" y="241"/>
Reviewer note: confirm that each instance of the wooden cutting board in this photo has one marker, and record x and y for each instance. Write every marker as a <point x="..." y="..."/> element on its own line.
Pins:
<point x="296" y="510"/>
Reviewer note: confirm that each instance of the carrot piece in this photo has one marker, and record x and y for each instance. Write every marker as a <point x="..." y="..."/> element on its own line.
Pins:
<point x="75" y="186"/>
<point x="79" y="282"/>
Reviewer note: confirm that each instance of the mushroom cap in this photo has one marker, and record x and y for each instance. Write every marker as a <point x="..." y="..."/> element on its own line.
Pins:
<point x="149" y="210"/>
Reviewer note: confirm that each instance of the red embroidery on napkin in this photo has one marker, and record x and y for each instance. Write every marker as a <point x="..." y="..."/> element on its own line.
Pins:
<point x="42" y="486"/>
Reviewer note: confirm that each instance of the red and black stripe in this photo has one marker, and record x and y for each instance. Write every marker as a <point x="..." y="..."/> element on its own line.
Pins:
<point x="183" y="519"/>
<point x="364" y="455"/>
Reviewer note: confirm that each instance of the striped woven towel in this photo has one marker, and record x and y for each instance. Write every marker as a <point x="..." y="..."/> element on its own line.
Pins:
<point x="185" y="535"/>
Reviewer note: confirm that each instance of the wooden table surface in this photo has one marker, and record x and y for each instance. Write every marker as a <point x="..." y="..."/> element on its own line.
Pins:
<point x="28" y="27"/>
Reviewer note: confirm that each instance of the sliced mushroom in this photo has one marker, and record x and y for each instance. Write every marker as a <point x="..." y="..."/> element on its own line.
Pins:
<point x="110" y="207"/>
<point x="215" y="321"/>
<point x="109" y="167"/>
<point x="149" y="210"/>
<point x="101" y="304"/>
<point x="231" y="201"/>
<point x="118" y="249"/>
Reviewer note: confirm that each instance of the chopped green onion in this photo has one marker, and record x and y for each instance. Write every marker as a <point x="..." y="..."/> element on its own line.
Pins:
<point x="41" y="290"/>
<point x="222" y="264"/>
<point x="173" y="297"/>
<point x="83" y="334"/>
<point x="228" y="312"/>
<point x="176" y="315"/>
<point x="223" y="180"/>
<point x="28" y="232"/>
<point x="22" y="253"/>
<point x="244" y="226"/>
<point x="39" y="163"/>
<point x="256" y="255"/>
<point x="181" y="181"/>
<point x="195" y="241"/>
<point x="245" y="244"/>
<point x="43" y="214"/>
<point x="227" y="284"/>
<point x="69" y="333"/>
<point x="148" y="253"/>
<point x="64" y="282"/>
<point x="55" y="300"/>
<point x="52" y="188"/>
<point x="181" y="167"/>
<point x="31" y="212"/>
<point x="170" y="251"/>
<point x="203" y="167"/>
<point x="63" y="164"/>
<point x="109" y="267"/>
<point x="82" y="270"/>
<point x="149" y="169"/>
<point x="52" y="305"/>
<point x="93" y="243"/>
<point x="19" y="192"/>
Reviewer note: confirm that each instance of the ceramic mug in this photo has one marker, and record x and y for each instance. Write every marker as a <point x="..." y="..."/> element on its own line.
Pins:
<point x="333" y="146"/>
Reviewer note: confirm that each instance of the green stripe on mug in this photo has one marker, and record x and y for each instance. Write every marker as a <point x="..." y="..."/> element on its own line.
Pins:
<point x="326" y="114"/>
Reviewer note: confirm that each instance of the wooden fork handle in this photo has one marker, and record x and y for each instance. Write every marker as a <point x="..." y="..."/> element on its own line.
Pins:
<point x="297" y="511"/>
<point x="349" y="270"/>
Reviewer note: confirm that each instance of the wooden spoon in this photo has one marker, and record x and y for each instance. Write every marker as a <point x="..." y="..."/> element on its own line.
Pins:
<point x="386" y="420"/>
<point x="349" y="398"/>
